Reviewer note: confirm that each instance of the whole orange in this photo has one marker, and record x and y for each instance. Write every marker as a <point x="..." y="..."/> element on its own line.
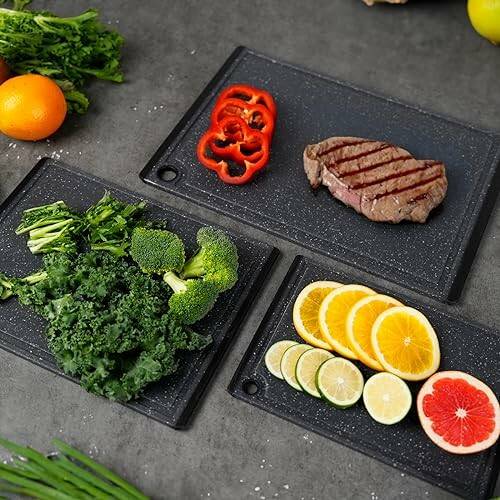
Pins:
<point x="32" y="107"/>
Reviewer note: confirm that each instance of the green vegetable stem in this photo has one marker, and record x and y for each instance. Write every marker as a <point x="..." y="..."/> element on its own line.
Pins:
<point x="69" y="475"/>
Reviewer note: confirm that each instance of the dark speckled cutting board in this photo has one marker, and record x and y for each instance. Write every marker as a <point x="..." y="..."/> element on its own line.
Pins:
<point x="433" y="258"/>
<point x="464" y="346"/>
<point x="172" y="399"/>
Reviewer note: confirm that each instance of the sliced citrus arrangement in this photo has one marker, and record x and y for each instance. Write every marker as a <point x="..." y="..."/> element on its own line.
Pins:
<point x="405" y="343"/>
<point x="359" y="323"/>
<point x="333" y="316"/>
<point x="307" y="366"/>
<point x="387" y="398"/>
<point x="274" y="354"/>
<point x="339" y="382"/>
<point x="459" y="412"/>
<point x="289" y="363"/>
<point x="305" y="312"/>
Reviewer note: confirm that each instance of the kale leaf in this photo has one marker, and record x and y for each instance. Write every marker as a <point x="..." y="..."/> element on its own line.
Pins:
<point x="108" y="322"/>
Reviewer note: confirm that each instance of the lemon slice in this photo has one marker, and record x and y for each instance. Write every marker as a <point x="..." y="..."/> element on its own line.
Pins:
<point x="274" y="354"/>
<point x="307" y="366"/>
<point x="333" y="315"/>
<point x="405" y="343"/>
<point x="305" y="312"/>
<point x="387" y="398"/>
<point x="289" y="363"/>
<point x="339" y="382"/>
<point x="359" y="325"/>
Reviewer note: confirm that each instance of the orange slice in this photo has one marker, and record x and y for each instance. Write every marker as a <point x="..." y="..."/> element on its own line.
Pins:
<point x="333" y="316"/>
<point x="359" y="325"/>
<point x="305" y="312"/>
<point x="405" y="343"/>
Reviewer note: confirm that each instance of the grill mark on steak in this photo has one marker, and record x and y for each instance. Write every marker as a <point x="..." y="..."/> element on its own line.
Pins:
<point x="374" y="166"/>
<point x="364" y="154"/>
<point x="343" y="145"/>
<point x="397" y="175"/>
<point x="408" y="188"/>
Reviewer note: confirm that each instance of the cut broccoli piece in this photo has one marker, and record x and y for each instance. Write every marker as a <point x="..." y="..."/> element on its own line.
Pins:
<point x="215" y="261"/>
<point x="157" y="251"/>
<point x="192" y="298"/>
<point x="51" y="228"/>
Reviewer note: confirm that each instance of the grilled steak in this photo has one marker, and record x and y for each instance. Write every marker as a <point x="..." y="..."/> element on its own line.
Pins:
<point x="379" y="180"/>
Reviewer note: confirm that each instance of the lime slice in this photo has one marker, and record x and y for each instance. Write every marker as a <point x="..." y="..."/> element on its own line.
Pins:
<point x="289" y="362"/>
<point x="307" y="366"/>
<point x="339" y="382"/>
<point x="387" y="398"/>
<point x="274" y="355"/>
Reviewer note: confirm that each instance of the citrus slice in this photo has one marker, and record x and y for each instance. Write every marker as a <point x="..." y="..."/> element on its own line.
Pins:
<point x="333" y="315"/>
<point x="387" y="398"/>
<point x="289" y="363"/>
<point x="305" y="312"/>
<point x="339" y="382"/>
<point x="274" y="354"/>
<point x="458" y="412"/>
<point x="307" y="366"/>
<point x="405" y="343"/>
<point x="359" y="325"/>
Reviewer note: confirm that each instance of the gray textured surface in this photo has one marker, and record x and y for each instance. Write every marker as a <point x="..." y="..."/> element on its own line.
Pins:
<point x="425" y="53"/>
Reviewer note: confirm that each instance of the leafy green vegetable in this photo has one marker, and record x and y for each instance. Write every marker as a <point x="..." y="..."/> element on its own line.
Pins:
<point x="69" y="50"/>
<point x="157" y="251"/>
<point x="216" y="259"/>
<point x="108" y="224"/>
<point x="108" y="322"/>
<point x="68" y="475"/>
<point x="51" y="228"/>
<point x="192" y="298"/>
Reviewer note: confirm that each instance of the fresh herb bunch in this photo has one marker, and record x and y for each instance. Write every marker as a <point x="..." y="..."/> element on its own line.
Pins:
<point x="70" y="50"/>
<point x="68" y="475"/>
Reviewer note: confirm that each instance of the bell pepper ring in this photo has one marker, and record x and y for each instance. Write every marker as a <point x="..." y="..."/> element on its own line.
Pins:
<point x="256" y="116"/>
<point x="249" y="94"/>
<point x="251" y="160"/>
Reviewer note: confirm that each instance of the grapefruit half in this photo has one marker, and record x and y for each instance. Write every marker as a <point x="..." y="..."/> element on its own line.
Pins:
<point x="458" y="412"/>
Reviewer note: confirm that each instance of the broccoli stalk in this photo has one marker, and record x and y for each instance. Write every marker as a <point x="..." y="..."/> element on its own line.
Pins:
<point x="215" y="261"/>
<point x="192" y="298"/>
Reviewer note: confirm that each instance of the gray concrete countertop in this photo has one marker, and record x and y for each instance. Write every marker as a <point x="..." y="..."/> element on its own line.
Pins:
<point x="425" y="53"/>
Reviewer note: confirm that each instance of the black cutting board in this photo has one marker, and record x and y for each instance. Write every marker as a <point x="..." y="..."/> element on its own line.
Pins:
<point x="171" y="400"/>
<point x="464" y="346"/>
<point x="433" y="258"/>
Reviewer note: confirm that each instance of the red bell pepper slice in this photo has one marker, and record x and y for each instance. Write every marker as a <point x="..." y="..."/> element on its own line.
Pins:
<point x="250" y="150"/>
<point x="256" y="116"/>
<point x="249" y="94"/>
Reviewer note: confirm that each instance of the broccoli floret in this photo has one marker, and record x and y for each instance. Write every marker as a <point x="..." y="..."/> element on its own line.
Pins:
<point x="192" y="298"/>
<point x="157" y="251"/>
<point x="216" y="259"/>
<point x="51" y="228"/>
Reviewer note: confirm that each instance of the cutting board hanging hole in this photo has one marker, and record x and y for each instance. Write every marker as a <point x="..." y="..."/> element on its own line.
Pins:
<point x="168" y="173"/>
